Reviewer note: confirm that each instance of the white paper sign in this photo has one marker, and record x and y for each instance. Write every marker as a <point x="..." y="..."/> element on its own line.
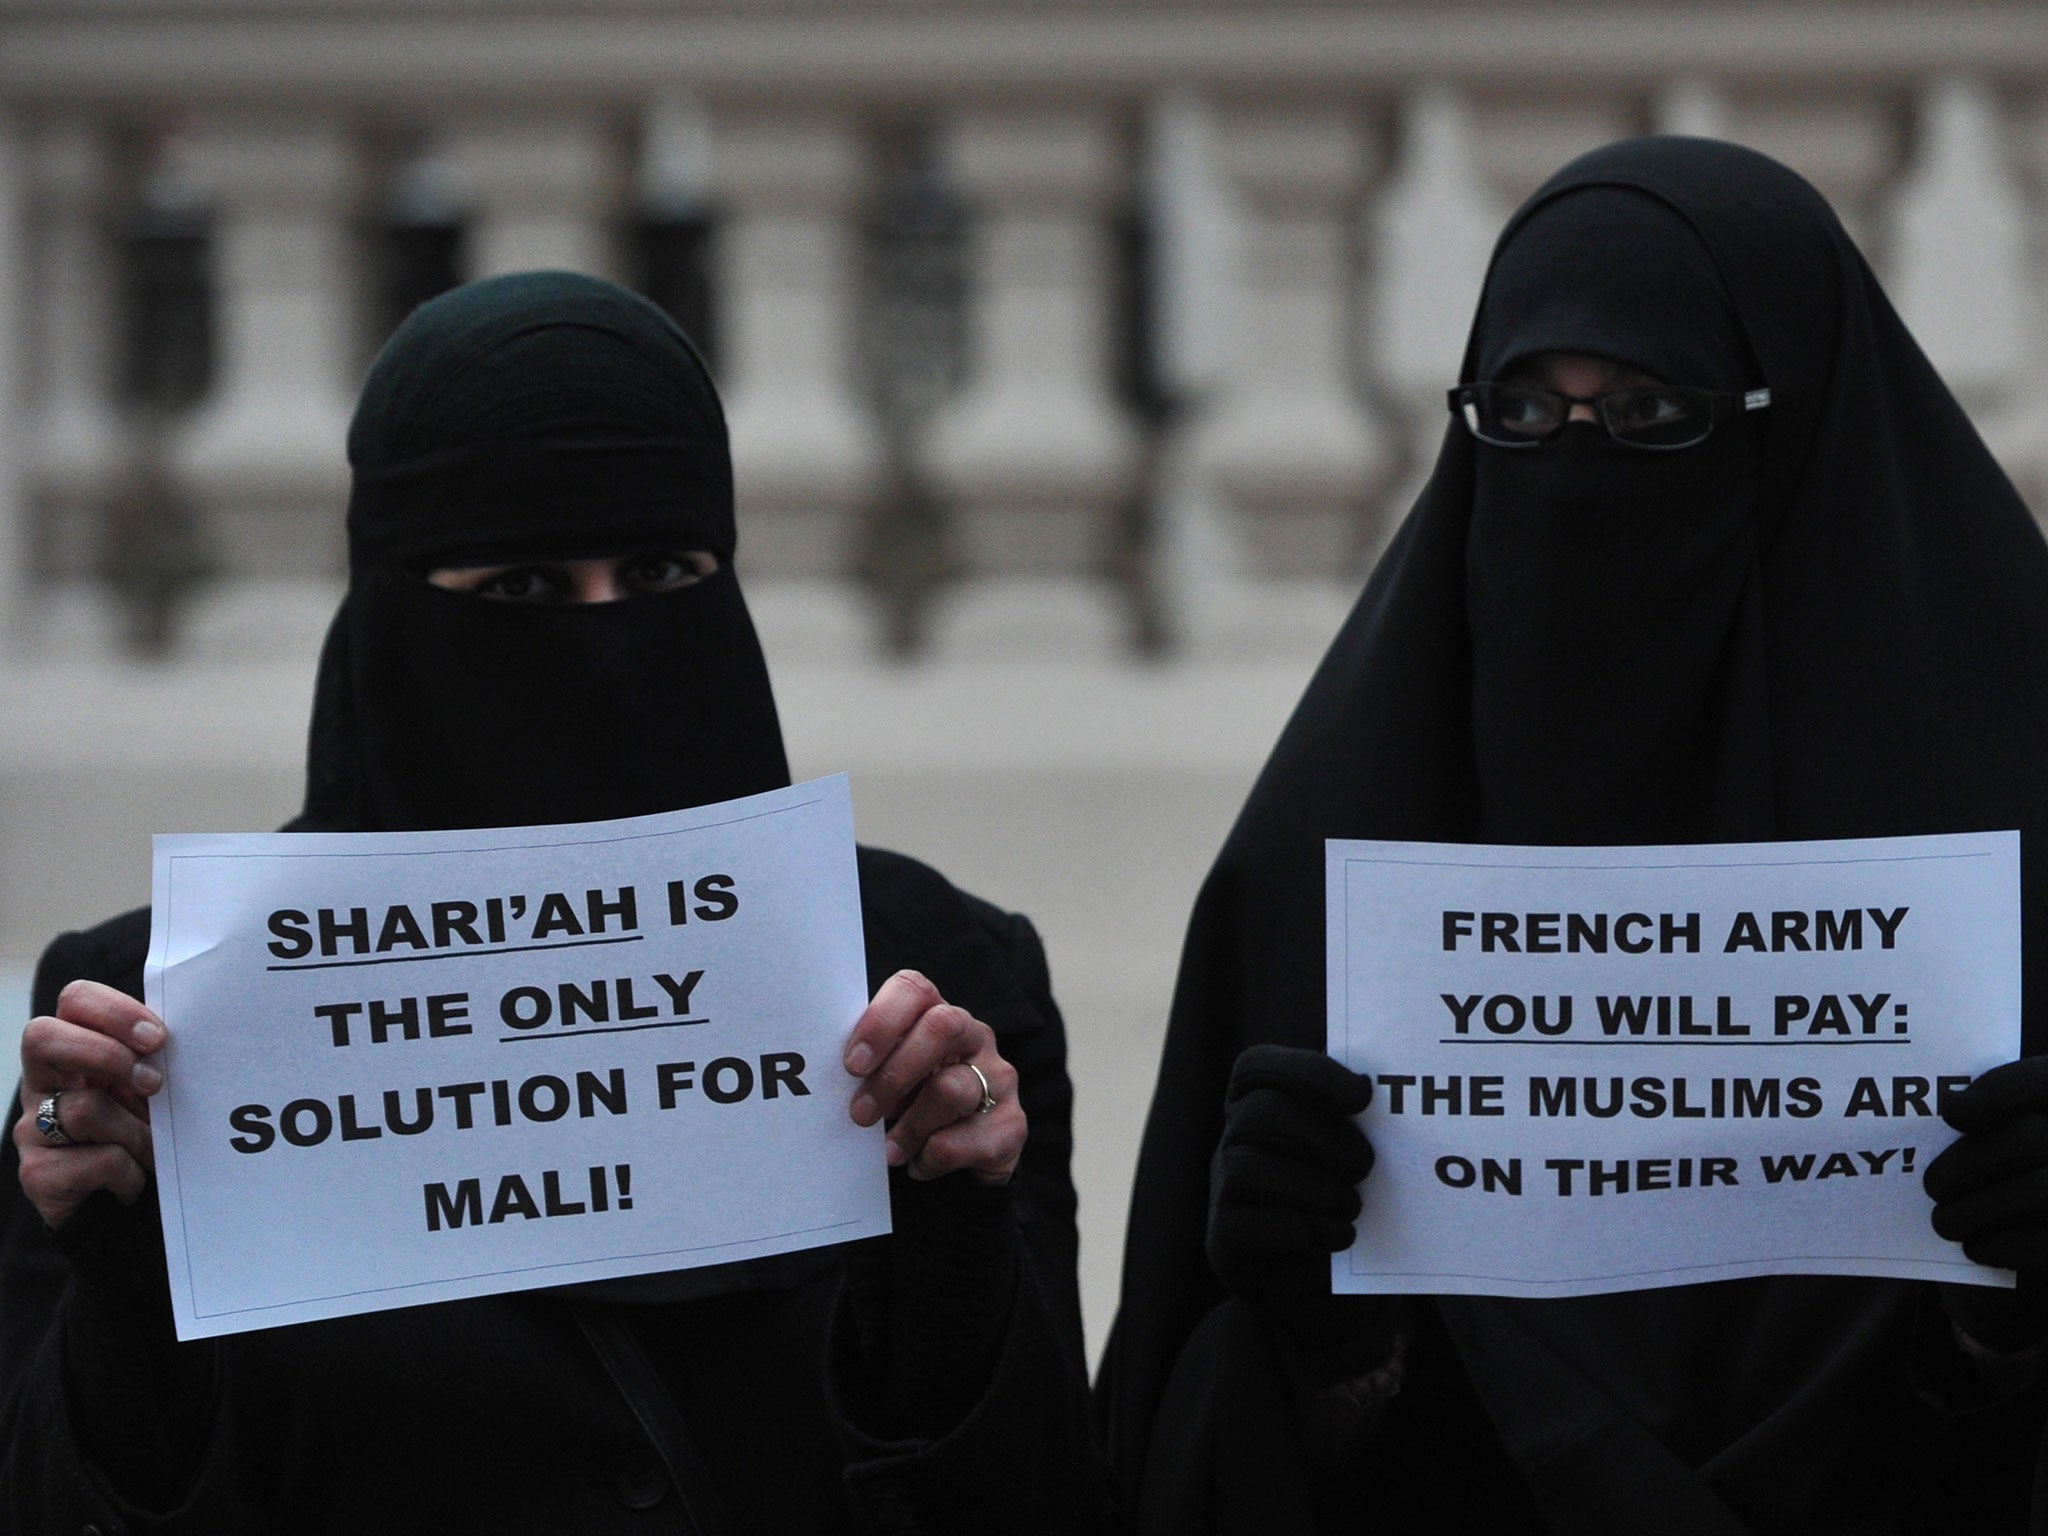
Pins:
<point x="1604" y="1069"/>
<point x="410" y="1067"/>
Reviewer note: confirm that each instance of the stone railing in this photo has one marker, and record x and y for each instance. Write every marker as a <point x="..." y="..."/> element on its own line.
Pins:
<point x="1075" y="325"/>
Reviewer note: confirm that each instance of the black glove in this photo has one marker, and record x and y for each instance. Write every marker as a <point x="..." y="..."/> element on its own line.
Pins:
<point x="1283" y="1197"/>
<point x="1990" y="1187"/>
<point x="1283" y="1189"/>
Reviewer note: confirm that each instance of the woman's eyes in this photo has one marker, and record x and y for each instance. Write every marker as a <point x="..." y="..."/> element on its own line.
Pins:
<point x="1650" y="407"/>
<point x="1526" y="410"/>
<point x="525" y="584"/>
<point x="582" y="581"/>
<point x="665" y="572"/>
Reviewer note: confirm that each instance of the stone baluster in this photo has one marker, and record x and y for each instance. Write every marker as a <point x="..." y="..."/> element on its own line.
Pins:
<point x="1519" y="142"/>
<point x="1846" y="143"/>
<point x="1432" y="233"/>
<point x="806" y="450"/>
<point x="1197" y="551"/>
<point x="1966" y="299"/>
<point x="14" y="295"/>
<point x="2025" y="450"/>
<point x="264" y="458"/>
<point x="1287" y="449"/>
<point x="1036" y="457"/>
<point x="541" y="189"/>
<point x="71" y="339"/>
<point x="1690" y="106"/>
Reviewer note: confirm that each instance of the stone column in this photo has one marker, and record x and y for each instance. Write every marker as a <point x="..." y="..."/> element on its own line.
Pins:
<point x="71" y="321"/>
<point x="1431" y="234"/>
<point x="1966" y="300"/>
<point x="15" y="297"/>
<point x="1196" y="549"/>
<point x="1974" y="304"/>
<point x="1845" y="142"/>
<point x="541" y="190"/>
<point x="1519" y="141"/>
<point x="1288" y="445"/>
<point x="806" y="451"/>
<point x="1691" y="106"/>
<point x="264" y="459"/>
<point x="2026" y="459"/>
<point x="1035" y="455"/>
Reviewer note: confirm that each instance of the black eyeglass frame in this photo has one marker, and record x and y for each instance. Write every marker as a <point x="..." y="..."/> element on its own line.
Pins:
<point x="1720" y="405"/>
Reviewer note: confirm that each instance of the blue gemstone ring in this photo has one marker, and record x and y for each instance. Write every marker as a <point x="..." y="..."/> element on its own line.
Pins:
<point x="48" y="1124"/>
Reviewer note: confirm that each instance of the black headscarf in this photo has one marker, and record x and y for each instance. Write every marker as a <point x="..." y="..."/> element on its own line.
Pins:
<point x="532" y="417"/>
<point x="1829" y="620"/>
<point x="538" y="416"/>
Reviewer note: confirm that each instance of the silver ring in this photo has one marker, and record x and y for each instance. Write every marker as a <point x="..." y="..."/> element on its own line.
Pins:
<point x="988" y="1100"/>
<point x="48" y="1125"/>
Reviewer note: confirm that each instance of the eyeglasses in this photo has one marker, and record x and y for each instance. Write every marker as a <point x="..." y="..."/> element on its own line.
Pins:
<point x="1649" y="416"/>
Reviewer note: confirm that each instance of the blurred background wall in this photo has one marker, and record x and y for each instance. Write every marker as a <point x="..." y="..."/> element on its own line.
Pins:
<point x="1080" y="355"/>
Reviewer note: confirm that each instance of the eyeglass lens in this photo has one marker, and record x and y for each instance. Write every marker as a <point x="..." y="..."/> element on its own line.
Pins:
<point x="1651" y="416"/>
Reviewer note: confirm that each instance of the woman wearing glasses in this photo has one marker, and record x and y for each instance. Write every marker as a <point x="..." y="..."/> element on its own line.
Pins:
<point x="1709" y="554"/>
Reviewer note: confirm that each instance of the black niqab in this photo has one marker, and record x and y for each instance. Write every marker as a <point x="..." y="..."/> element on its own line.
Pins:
<point x="536" y="417"/>
<point x="1837" y="628"/>
<point x="1608" y="588"/>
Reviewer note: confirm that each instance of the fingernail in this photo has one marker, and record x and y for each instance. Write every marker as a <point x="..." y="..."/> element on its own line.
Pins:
<point x="146" y="1077"/>
<point x="860" y="1058"/>
<point x="863" y="1109"/>
<point x="894" y="1154"/>
<point x="147" y="1033"/>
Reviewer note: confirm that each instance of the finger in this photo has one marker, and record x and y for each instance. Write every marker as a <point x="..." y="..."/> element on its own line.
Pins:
<point x="1254" y="1176"/>
<point x="2012" y="1202"/>
<point x="1300" y="1073"/>
<point x="58" y="1180"/>
<point x="950" y="1094"/>
<point x="1988" y="1156"/>
<point x="1318" y="1136"/>
<point x="2012" y="1089"/>
<point x="87" y="1115"/>
<point x="987" y="1145"/>
<point x="112" y="1012"/>
<point x="941" y="1035"/>
<point x="897" y="1005"/>
<point x="59" y="1053"/>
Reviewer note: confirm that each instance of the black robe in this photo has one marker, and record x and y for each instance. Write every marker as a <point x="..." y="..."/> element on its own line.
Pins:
<point x="750" y="1410"/>
<point x="1865" y="641"/>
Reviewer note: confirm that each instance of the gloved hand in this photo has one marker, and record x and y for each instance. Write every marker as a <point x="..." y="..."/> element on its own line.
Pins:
<point x="1990" y="1187"/>
<point x="1283" y="1188"/>
<point x="1283" y="1197"/>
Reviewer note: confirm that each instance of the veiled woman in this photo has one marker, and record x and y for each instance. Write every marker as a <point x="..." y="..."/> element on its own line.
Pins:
<point x="543" y="625"/>
<point x="1639" y="602"/>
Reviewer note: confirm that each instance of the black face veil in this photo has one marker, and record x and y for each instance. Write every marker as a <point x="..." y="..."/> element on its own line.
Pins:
<point x="1828" y="621"/>
<point x="1607" y="588"/>
<point x="539" y="416"/>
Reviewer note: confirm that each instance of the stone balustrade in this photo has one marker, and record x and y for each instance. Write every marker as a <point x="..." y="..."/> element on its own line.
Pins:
<point x="1315" y="188"/>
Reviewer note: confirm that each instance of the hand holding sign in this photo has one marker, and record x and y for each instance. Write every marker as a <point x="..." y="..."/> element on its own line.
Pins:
<point x="95" y="1058"/>
<point x="1283" y="1197"/>
<point x="1283" y="1191"/>
<point x="1991" y="1186"/>
<point x="934" y="1070"/>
